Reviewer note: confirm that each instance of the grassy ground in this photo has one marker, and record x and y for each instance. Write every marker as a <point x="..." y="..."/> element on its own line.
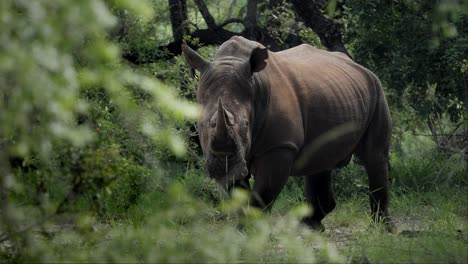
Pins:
<point x="432" y="224"/>
<point x="181" y="217"/>
<point x="431" y="215"/>
<point x="431" y="228"/>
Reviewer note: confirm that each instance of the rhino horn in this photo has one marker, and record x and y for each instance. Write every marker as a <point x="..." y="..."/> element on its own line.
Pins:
<point x="222" y="140"/>
<point x="221" y="131"/>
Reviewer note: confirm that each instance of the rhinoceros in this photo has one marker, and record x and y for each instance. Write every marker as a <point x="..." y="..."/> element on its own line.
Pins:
<point x="302" y="111"/>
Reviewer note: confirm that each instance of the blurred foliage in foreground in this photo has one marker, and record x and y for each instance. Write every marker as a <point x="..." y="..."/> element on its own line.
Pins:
<point x="75" y="121"/>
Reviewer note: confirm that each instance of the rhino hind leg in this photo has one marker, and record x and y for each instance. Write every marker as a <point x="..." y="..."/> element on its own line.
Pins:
<point x="377" y="173"/>
<point x="373" y="152"/>
<point x="319" y="193"/>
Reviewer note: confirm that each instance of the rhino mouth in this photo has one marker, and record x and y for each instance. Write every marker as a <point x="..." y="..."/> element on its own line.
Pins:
<point x="227" y="169"/>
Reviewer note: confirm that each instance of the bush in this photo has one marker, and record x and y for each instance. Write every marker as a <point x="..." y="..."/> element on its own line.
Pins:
<point x="80" y="130"/>
<point x="183" y="231"/>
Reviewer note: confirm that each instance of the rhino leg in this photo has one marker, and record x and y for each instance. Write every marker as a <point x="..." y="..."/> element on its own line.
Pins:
<point x="242" y="184"/>
<point x="377" y="172"/>
<point x="319" y="193"/>
<point x="271" y="172"/>
<point x="373" y="152"/>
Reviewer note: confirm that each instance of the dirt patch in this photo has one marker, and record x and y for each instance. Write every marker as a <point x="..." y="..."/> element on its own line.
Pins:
<point x="341" y="236"/>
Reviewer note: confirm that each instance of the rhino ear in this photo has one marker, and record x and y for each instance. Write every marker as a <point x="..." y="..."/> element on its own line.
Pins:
<point x="194" y="59"/>
<point x="257" y="59"/>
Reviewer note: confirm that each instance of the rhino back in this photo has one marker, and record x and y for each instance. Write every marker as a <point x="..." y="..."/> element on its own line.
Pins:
<point x="321" y="104"/>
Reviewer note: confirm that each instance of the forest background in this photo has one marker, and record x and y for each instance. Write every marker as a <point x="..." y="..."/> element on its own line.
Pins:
<point x="98" y="154"/>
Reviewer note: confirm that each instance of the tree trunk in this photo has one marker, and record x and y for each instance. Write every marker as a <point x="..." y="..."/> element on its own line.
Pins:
<point x="205" y="12"/>
<point x="178" y="12"/>
<point x="251" y="19"/>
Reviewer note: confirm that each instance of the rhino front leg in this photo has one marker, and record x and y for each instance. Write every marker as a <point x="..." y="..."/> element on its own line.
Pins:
<point x="271" y="173"/>
<point x="319" y="193"/>
<point x="243" y="184"/>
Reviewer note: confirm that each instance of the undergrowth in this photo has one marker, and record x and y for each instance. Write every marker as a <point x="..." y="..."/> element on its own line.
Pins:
<point x="179" y="215"/>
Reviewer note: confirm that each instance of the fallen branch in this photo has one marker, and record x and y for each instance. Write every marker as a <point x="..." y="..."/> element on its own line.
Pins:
<point x="233" y="20"/>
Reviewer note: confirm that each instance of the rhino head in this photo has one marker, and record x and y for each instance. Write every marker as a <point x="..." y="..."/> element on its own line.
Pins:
<point x="226" y="92"/>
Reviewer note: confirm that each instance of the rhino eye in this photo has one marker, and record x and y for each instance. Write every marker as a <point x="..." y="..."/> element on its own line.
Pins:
<point x="212" y="121"/>
<point x="245" y="121"/>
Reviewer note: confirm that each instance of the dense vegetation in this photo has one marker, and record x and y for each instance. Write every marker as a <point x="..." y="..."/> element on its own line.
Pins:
<point x="98" y="157"/>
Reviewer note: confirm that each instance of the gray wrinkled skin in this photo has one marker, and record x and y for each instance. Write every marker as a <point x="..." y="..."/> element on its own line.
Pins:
<point x="225" y="157"/>
<point x="301" y="112"/>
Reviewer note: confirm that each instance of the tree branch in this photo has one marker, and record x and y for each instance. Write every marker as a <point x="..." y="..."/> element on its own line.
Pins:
<point x="233" y="20"/>
<point x="213" y="35"/>
<point x="209" y="20"/>
<point x="328" y="31"/>
<point x="231" y="8"/>
<point x="165" y="52"/>
<point x="205" y="37"/>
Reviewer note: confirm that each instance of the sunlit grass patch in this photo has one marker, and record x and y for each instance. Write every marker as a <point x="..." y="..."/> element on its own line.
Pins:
<point x="291" y="195"/>
<point x="431" y="228"/>
<point x="429" y="246"/>
<point x="427" y="171"/>
<point x="350" y="213"/>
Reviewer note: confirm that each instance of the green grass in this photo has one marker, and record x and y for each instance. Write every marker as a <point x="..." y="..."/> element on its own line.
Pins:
<point x="183" y="217"/>
<point x="431" y="228"/>
<point x="178" y="228"/>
